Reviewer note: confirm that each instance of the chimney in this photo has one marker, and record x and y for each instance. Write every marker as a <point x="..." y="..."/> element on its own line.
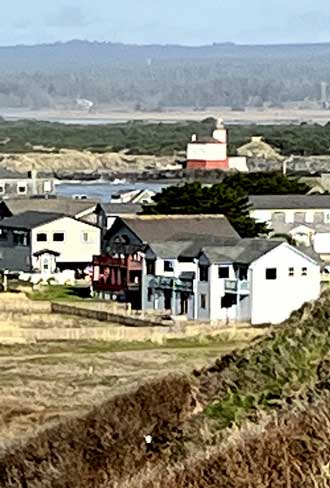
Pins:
<point x="194" y="138"/>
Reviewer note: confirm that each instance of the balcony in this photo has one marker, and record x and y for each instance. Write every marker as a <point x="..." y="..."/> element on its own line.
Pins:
<point x="241" y="287"/>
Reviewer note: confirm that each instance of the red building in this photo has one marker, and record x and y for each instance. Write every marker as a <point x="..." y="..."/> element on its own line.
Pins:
<point x="118" y="276"/>
<point x="209" y="152"/>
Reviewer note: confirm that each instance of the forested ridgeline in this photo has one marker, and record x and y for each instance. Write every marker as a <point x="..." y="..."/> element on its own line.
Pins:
<point x="153" y="77"/>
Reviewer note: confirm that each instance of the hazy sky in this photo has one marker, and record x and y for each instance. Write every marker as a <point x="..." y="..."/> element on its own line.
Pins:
<point x="165" y="21"/>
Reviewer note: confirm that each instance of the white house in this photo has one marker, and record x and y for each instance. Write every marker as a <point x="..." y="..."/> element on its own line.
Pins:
<point x="47" y="241"/>
<point x="253" y="280"/>
<point x="289" y="209"/>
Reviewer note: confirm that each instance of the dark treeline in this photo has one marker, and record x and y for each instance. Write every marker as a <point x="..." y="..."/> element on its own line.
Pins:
<point x="154" y="77"/>
<point x="158" y="138"/>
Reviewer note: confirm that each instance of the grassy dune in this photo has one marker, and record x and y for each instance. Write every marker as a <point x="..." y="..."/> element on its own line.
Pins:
<point x="256" y="418"/>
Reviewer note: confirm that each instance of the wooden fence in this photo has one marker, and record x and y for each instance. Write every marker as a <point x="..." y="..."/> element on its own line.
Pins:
<point x="104" y="316"/>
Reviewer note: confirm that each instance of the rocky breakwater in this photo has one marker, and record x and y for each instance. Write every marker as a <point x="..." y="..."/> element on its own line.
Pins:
<point x="84" y="161"/>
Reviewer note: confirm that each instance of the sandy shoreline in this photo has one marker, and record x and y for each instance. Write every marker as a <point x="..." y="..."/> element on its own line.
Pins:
<point x="249" y="116"/>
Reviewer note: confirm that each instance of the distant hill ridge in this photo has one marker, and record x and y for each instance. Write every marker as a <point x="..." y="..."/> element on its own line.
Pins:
<point x="157" y="76"/>
<point x="29" y="55"/>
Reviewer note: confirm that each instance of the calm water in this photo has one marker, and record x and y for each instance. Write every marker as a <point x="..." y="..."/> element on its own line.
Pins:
<point x="102" y="191"/>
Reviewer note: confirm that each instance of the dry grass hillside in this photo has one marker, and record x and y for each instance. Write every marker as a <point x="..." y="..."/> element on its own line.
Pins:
<point x="257" y="417"/>
<point x="46" y="381"/>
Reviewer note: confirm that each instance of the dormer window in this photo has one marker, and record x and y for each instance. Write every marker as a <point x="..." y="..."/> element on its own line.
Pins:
<point x="168" y="266"/>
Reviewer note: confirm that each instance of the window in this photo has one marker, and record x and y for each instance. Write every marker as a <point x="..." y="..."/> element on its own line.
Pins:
<point x="3" y="234"/>
<point x="168" y="266"/>
<point x="278" y="217"/>
<point x="20" y="238"/>
<point x="203" y="301"/>
<point x="150" y="294"/>
<point x="318" y="218"/>
<point x="300" y="217"/>
<point x="151" y="267"/>
<point x="303" y="271"/>
<point x="203" y="273"/>
<point x="271" y="273"/>
<point x="223" y="271"/>
<point x="2" y="189"/>
<point x="42" y="237"/>
<point x="22" y="188"/>
<point x="125" y="239"/>
<point x="291" y="271"/>
<point x="58" y="236"/>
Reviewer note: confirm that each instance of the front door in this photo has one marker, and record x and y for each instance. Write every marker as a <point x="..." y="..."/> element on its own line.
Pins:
<point x="168" y="299"/>
<point x="184" y="304"/>
<point x="47" y="264"/>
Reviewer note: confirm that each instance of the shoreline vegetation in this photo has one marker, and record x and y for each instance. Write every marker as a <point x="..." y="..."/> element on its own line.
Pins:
<point x="154" y="139"/>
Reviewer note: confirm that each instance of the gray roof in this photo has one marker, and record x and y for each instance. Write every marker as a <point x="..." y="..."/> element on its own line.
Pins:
<point x="188" y="248"/>
<point x="29" y="220"/>
<point x="180" y="227"/>
<point x="287" y="202"/>
<point x="122" y="208"/>
<point x="169" y="249"/>
<point x="65" y="206"/>
<point x="245" y="252"/>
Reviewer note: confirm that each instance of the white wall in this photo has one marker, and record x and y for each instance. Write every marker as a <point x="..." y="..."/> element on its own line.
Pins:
<point x="217" y="291"/>
<point x="239" y="163"/>
<point x="207" y="152"/>
<point x="178" y="267"/>
<point x="274" y="300"/>
<point x="73" y="248"/>
<point x="321" y="243"/>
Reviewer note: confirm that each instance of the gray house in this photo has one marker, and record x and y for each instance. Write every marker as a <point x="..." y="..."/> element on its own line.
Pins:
<point x="118" y="270"/>
<point x="45" y="241"/>
<point x="89" y="211"/>
<point x="250" y="280"/>
<point x="16" y="239"/>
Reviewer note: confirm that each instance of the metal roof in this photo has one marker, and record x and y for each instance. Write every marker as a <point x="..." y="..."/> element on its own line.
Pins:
<point x="288" y="202"/>
<point x="150" y="228"/>
<point x="62" y="205"/>
<point x="29" y="220"/>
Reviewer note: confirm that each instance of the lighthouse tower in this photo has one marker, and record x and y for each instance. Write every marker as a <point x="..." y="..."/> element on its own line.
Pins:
<point x="209" y="152"/>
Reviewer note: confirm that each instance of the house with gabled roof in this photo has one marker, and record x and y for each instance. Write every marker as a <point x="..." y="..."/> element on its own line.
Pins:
<point x="118" y="270"/>
<point x="46" y="241"/>
<point x="85" y="210"/>
<point x="250" y="280"/>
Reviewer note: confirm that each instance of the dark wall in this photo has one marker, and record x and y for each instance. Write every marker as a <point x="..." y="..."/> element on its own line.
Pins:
<point x="14" y="257"/>
<point x="120" y="233"/>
